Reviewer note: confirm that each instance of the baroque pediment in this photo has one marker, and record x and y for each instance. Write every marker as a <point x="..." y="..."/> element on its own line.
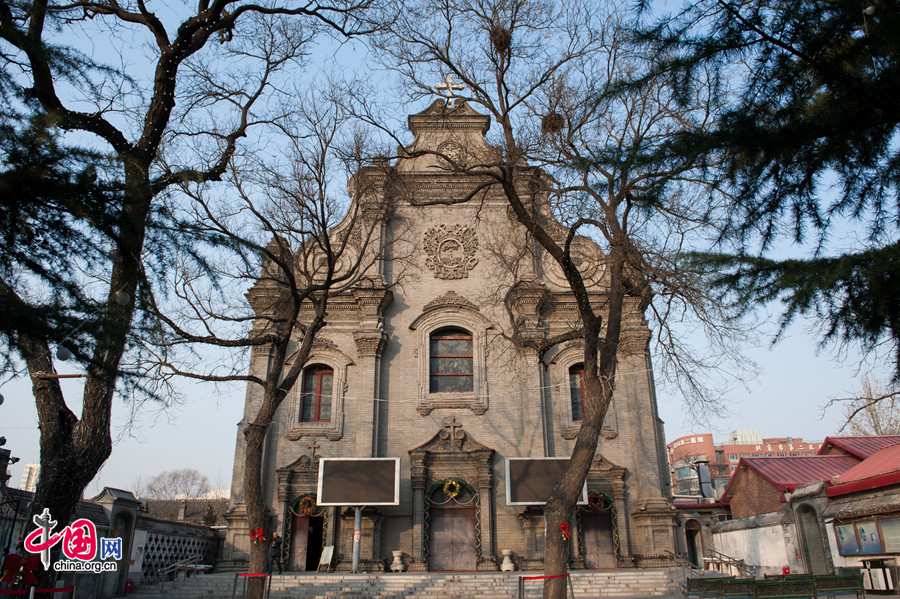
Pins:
<point x="603" y="468"/>
<point x="302" y="464"/>
<point x="451" y="299"/>
<point x="451" y="438"/>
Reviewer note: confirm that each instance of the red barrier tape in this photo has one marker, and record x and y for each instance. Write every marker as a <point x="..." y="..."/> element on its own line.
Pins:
<point x="544" y="577"/>
<point x="22" y="592"/>
<point x="252" y="574"/>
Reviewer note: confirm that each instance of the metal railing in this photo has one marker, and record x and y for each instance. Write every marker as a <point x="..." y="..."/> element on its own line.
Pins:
<point x="163" y="574"/>
<point x="720" y="562"/>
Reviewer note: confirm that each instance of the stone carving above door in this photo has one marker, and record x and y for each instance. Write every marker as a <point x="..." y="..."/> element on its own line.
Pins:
<point x="451" y="251"/>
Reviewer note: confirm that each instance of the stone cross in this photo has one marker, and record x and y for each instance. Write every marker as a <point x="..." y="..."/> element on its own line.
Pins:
<point x="447" y="88"/>
<point x="314" y="447"/>
<point x="46" y="524"/>
<point x="453" y="433"/>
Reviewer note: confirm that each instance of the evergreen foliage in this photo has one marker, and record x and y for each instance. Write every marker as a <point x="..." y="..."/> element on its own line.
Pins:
<point x="805" y="135"/>
<point x="58" y="207"/>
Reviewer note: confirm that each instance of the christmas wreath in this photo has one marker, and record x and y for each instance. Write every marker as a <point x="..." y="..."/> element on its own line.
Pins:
<point x="452" y="488"/>
<point x="599" y="502"/>
<point x="304" y="506"/>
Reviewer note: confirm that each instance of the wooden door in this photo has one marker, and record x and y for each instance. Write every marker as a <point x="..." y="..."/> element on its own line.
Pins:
<point x="300" y="534"/>
<point x="599" y="549"/>
<point x="452" y="539"/>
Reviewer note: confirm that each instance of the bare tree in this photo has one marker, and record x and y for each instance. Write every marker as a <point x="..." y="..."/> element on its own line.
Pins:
<point x="212" y="72"/>
<point x="285" y="235"/>
<point x="184" y="483"/>
<point x="875" y="411"/>
<point x="579" y="161"/>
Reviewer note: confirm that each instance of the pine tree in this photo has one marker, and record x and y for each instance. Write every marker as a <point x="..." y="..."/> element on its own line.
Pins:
<point x="804" y="137"/>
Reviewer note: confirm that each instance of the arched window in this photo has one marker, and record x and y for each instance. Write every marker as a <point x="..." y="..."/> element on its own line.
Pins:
<point x="450" y="361"/>
<point x="576" y="390"/>
<point x="315" y="400"/>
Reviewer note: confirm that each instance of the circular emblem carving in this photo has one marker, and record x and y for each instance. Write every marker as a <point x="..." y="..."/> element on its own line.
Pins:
<point x="453" y="151"/>
<point x="588" y="260"/>
<point x="451" y="251"/>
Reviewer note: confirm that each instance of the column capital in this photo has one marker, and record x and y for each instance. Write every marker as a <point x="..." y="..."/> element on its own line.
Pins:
<point x="369" y="343"/>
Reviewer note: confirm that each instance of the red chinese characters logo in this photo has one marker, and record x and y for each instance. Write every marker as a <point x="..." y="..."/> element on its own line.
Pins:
<point x="79" y="540"/>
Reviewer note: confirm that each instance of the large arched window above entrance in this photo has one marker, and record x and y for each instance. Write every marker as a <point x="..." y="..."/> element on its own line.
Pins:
<point x="451" y="351"/>
<point x="450" y="364"/>
<point x="576" y="390"/>
<point x="315" y="399"/>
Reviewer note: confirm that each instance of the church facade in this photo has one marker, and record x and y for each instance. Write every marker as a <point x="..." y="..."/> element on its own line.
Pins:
<point x="421" y="366"/>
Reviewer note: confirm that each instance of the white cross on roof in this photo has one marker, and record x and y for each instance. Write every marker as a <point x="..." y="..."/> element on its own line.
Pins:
<point x="447" y="88"/>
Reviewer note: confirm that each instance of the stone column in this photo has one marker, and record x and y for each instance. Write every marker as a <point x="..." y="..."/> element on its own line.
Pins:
<point x="576" y="556"/>
<point x="418" y="480"/>
<point x="488" y="559"/>
<point x="618" y="490"/>
<point x="369" y="344"/>
<point x="331" y="526"/>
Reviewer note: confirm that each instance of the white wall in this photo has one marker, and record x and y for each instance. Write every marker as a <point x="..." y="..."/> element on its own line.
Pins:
<point x="769" y="548"/>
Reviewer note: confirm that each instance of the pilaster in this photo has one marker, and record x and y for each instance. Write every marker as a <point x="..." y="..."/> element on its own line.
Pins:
<point x="369" y="345"/>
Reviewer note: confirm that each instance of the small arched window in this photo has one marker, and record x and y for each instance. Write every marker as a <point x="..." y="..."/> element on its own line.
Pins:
<point x="315" y="400"/>
<point x="450" y="361"/>
<point x="576" y="390"/>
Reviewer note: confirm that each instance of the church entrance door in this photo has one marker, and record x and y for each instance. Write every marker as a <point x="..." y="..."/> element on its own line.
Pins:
<point x="314" y="536"/>
<point x="452" y="539"/>
<point x="306" y="543"/>
<point x="599" y="550"/>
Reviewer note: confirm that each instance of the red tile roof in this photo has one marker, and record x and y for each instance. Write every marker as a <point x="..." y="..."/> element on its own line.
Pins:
<point x="860" y="447"/>
<point x="790" y="473"/>
<point x="882" y="469"/>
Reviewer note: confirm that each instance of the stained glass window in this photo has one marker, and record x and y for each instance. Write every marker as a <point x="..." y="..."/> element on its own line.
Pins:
<point x="450" y="361"/>
<point x="576" y="390"/>
<point x="315" y="401"/>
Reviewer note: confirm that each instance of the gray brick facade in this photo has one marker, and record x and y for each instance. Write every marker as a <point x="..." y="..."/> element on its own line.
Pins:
<point x="444" y="264"/>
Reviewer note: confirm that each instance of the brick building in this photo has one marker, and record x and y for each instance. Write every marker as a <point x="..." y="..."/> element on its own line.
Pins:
<point x="759" y="484"/>
<point x="424" y="372"/>
<point x="686" y="452"/>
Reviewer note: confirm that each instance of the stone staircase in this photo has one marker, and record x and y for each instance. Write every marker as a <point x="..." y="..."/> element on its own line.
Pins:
<point x="657" y="582"/>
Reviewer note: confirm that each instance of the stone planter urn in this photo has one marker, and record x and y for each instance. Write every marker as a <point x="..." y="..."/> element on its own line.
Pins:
<point x="397" y="565"/>
<point x="507" y="565"/>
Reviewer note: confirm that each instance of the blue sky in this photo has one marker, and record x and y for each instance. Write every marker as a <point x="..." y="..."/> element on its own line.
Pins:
<point x="787" y="396"/>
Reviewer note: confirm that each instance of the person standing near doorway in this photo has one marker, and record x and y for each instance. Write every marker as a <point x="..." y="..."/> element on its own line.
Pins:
<point x="275" y="554"/>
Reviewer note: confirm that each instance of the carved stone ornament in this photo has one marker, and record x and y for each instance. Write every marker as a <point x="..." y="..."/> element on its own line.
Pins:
<point x="451" y="299"/>
<point x="451" y="251"/>
<point x="454" y="152"/>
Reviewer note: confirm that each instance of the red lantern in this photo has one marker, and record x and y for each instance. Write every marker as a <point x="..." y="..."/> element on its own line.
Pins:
<point x="786" y="570"/>
<point x="565" y="530"/>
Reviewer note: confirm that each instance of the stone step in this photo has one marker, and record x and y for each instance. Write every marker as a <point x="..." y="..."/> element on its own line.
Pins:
<point x="593" y="584"/>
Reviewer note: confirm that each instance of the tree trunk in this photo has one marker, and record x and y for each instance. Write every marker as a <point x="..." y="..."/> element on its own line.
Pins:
<point x="256" y="509"/>
<point x="73" y="450"/>
<point x="562" y="504"/>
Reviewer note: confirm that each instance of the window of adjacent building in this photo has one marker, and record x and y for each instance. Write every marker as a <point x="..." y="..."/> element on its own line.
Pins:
<point x="450" y="361"/>
<point x="315" y="401"/>
<point x="576" y="390"/>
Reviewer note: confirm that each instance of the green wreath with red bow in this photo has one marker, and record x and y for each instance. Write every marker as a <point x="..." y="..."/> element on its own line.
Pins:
<point x="305" y="505"/>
